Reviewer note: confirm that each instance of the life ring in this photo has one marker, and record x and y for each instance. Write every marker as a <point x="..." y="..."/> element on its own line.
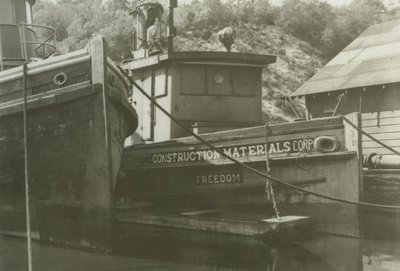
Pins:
<point x="326" y="144"/>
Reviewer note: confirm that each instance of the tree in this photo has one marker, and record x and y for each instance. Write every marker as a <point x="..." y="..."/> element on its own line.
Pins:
<point x="264" y="12"/>
<point x="305" y="19"/>
<point x="48" y="13"/>
<point x="76" y="22"/>
<point x="349" y="22"/>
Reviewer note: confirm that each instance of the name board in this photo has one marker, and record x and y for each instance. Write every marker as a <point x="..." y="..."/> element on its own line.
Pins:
<point x="224" y="178"/>
<point x="240" y="151"/>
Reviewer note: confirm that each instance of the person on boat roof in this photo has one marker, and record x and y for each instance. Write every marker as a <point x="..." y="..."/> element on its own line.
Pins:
<point x="154" y="38"/>
<point x="227" y="36"/>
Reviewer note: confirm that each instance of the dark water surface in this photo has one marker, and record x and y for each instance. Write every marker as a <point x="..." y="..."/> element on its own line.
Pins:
<point x="189" y="251"/>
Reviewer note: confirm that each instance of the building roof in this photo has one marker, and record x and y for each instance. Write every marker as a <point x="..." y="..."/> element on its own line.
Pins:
<point x="197" y="57"/>
<point x="371" y="59"/>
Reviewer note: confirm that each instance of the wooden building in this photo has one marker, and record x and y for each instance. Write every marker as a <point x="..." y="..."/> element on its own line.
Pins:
<point x="364" y="77"/>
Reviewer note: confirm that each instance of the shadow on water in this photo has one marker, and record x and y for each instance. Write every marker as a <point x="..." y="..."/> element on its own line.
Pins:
<point x="228" y="252"/>
<point x="156" y="248"/>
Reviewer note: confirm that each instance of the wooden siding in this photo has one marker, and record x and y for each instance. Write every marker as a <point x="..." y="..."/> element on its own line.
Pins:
<point x="380" y="108"/>
<point x="384" y="126"/>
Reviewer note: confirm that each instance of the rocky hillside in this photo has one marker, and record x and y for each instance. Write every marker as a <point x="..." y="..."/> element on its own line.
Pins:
<point x="296" y="61"/>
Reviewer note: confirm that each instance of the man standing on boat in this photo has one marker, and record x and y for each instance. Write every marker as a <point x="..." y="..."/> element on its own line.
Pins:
<point x="154" y="38"/>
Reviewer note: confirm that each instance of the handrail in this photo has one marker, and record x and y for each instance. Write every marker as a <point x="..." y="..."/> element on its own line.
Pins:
<point x="46" y="43"/>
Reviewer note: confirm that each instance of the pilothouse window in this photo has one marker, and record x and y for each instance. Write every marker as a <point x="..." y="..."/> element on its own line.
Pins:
<point x="7" y="15"/>
<point x="193" y="79"/>
<point x="219" y="80"/>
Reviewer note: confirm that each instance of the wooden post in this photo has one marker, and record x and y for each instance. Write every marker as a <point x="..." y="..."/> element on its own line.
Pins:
<point x="353" y="142"/>
<point x="98" y="183"/>
<point x="171" y="28"/>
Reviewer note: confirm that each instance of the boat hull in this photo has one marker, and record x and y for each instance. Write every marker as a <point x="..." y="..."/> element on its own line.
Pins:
<point x="184" y="172"/>
<point x="75" y="139"/>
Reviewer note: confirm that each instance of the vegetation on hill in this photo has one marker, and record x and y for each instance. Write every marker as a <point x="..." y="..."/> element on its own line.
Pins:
<point x="304" y="34"/>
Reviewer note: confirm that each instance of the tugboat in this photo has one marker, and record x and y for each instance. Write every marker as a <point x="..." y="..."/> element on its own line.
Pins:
<point x="182" y="182"/>
<point x="340" y="165"/>
<point x="77" y="119"/>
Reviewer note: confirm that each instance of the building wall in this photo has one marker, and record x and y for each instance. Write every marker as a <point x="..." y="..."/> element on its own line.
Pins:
<point x="380" y="108"/>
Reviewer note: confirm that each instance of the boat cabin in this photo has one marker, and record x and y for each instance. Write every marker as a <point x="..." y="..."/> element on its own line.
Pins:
<point x="364" y="78"/>
<point x="208" y="91"/>
<point x="16" y="28"/>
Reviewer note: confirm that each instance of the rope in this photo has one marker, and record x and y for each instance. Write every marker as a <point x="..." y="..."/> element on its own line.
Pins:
<point x="370" y="136"/>
<point x="1" y="54"/>
<point x="294" y="187"/>
<point x="269" y="190"/>
<point x="27" y="202"/>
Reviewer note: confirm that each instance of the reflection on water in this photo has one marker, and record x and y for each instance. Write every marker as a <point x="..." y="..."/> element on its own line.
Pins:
<point x="185" y="250"/>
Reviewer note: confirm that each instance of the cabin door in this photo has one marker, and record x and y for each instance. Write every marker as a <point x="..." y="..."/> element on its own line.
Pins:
<point x="147" y="108"/>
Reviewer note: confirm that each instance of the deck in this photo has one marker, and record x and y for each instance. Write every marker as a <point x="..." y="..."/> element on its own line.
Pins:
<point x="233" y="221"/>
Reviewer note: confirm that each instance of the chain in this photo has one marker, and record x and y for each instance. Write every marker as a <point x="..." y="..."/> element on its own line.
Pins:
<point x="269" y="190"/>
<point x="27" y="200"/>
<point x="339" y="101"/>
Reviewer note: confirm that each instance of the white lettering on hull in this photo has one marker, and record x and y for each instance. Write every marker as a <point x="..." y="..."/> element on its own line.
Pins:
<point x="251" y="150"/>
<point x="228" y="178"/>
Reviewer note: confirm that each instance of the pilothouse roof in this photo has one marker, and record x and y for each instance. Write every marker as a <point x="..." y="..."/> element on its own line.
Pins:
<point x="200" y="57"/>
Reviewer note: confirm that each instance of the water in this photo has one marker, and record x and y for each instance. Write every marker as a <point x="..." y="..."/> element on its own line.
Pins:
<point x="163" y="250"/>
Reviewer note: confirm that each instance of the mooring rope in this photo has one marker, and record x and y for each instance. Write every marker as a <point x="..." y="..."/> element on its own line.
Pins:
<point x="223" y="154"/>
<point x="27" y="202"/>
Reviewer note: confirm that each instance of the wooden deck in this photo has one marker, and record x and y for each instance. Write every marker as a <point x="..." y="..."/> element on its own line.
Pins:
<point x="236" y="222"/>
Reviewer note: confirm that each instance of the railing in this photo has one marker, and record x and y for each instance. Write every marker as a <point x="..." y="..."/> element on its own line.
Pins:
<point x="44" y="38"/>
<point x="35" y="41"/>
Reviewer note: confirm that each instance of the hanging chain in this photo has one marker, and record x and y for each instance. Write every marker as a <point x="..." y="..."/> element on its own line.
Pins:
<point x="21" y="27"/>
<point x="339" y="101"/>
<point x="269" y="190"/>
<point x="27" y="200"/>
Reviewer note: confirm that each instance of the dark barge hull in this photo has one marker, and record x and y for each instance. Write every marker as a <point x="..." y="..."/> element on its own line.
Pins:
<point x="76" y="133"/>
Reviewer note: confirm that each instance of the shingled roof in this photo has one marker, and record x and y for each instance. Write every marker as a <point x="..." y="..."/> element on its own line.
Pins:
<point x="371" y="59"/>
